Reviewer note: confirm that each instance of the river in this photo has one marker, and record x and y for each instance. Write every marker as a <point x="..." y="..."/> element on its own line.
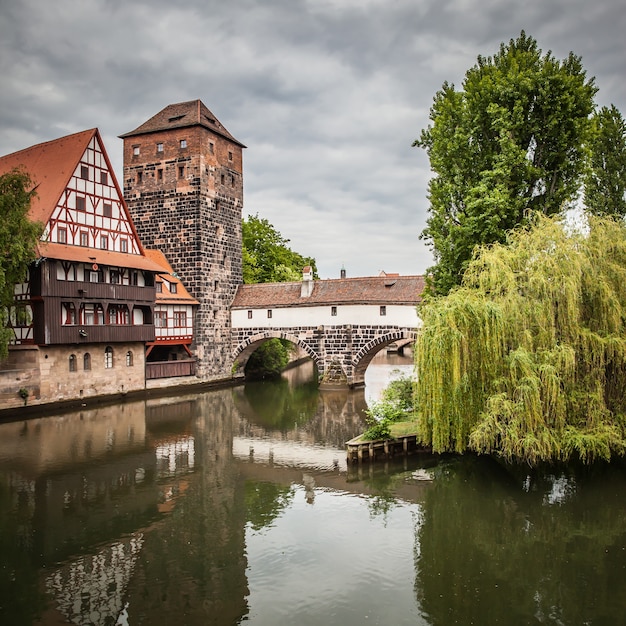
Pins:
<point x="237" y="506"/>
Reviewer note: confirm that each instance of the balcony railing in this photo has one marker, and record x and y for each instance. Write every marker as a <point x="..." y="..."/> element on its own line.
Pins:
<point x="170" y="369"/>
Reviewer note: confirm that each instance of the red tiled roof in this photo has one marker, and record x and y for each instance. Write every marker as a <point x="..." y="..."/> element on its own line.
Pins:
<point x="181" y="296"/>
<point x="50" y="166"/>
<point x="368" y="290"/>
<point x="182" y="115"/>
<point x="94" y="255"/>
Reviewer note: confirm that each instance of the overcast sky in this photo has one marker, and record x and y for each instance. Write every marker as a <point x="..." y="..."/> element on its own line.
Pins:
<point x="328" y="95"/>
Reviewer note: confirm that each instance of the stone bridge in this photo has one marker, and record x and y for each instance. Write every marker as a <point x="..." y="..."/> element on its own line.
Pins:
<point x="340" y="323"/>
<point x="341" y="353"/>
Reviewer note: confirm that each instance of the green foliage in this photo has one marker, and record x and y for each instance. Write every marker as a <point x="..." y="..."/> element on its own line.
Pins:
<point x="270" y="359"/>
<point x="266" y="256"/>
<point x="527" y="359"/>
<point x="396" y="404"/>
<point x="605" y="184"/>
<point x="18" y="238"/>
<point x="509" y="142"/>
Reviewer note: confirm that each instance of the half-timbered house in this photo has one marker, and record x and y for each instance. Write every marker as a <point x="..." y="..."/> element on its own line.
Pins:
<point x="84" y="315"/>
<point x="169" y="355"/>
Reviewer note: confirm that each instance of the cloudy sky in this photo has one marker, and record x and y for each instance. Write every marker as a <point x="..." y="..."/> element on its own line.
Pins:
<point x="328" y="95"/>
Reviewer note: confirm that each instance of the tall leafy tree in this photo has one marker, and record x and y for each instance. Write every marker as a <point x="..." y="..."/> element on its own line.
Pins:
<point x="267" y="257"/>
<point x="605" y="184"/>
<point x="18" y="238"/>
<point x="509" y="142"/>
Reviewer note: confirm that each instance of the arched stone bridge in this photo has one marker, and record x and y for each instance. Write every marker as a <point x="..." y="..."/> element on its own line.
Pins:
<point x="341" y="353"/>
<point x="341" y="323"/>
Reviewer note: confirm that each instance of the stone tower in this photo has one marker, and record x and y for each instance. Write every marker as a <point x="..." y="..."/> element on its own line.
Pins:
<point x="183" y="183"/>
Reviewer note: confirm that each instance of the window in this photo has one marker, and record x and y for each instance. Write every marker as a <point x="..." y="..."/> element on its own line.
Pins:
<point x="333" y="311"/>
<point x="80" y="203"/>
<point x="180" y="319"/>
<point x="222" y="179"/>
<point x="181" y="171"/>
<point x="183" y="143"/>
<point x="232" y="180"/>
<point x="118" y="314"/>
<point x="159" y="287"/>
<point x="108" y="357"/>
<point x="84" y="238"/>
<point x="249" y="315"/>
<point x="211" y="147"/>
<point x="104" y="178"/>
<point x="383" y="310"/>
<point x="216" y="284"/>
<point x="86" y="361"/>
<point x="230" y="156"/>
<point x="84" y="172"/>
<point x="139" y="177"/>
<point x="104" y="242"/>
<point x="72" y="363"/>
<point x="123" y="244"/>
<point x="107" y="209"/>
<point x="129" y="359"/>
<point x="69" y="313"/>
<point x="115" y="277"/>
<point x="269" y="314"/>
<point x="159" y="174"/>
<point x="160" y="319"/>
<point x="173" y="288"/>
<point x="135" y="150"/>
<point x="159" y="147"/>
<point x="62" y="235"/>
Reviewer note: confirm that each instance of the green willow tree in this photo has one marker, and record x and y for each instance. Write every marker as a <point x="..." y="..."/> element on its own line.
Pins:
<point x="605" y="184"/>
<point x="18" y="238"/>
<point x="527" y="358"/>
<point x="509" y="142"/>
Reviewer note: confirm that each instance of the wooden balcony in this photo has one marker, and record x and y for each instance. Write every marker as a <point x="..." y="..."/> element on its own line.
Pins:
<point x="170" y="369"/>
<point x="100" y="333"/>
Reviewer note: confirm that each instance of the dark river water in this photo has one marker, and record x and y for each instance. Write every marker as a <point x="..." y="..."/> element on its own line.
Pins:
<point x="238" y="506"/>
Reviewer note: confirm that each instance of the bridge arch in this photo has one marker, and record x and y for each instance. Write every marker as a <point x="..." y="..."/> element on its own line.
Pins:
<point x="242" y="352"/>
<point x="364" y="356"/>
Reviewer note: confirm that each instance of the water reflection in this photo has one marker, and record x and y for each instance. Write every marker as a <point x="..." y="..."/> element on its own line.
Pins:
<point x="237" y="505"/>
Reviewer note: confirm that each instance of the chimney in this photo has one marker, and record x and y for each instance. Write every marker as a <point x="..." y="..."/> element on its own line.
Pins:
<point x="343" y="272"/>
<point x="306" y="289"/>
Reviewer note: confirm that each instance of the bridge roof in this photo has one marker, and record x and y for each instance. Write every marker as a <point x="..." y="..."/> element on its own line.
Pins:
<point x="336" y="291"/>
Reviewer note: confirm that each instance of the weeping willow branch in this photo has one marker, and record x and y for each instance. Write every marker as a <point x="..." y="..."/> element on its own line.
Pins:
<point x="527" y="359"/>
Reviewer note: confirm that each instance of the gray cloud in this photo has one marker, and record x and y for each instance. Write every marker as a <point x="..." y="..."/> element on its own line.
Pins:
<point x="328" y="95"/>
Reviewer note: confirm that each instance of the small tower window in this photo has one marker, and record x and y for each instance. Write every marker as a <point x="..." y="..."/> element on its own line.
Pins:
<point x="249" y="315"/>
<point x="136" y="151"/>
<point x="159" y="174"/>
<point x="211" y="147"/>
<point x="230" y="156"/>
<point x="269" y="314"/>
<point x="139" y="176"/>
<point x="183" y="143"/>
<point x="181" y="171"/>
<point x="333" y="311"/>
<point x="159" y="147"/>
<point x="383" y="310"/>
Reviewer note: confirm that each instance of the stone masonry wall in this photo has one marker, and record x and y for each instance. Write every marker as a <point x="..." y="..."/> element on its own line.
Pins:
<point x="188" y="203"/>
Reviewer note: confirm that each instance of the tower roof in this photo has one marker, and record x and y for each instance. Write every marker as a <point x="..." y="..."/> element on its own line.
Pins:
<point x="183" y="115"/>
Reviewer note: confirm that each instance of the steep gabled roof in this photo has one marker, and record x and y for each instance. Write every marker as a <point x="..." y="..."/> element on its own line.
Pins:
<point x="181" y="296"/>
<point x="50" y="166"/>
<point x="404" y="290"/>
<point x="182" y="115"/>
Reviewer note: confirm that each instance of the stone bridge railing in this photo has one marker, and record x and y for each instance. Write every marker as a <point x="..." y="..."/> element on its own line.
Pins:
<point x="341" y="353"/>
